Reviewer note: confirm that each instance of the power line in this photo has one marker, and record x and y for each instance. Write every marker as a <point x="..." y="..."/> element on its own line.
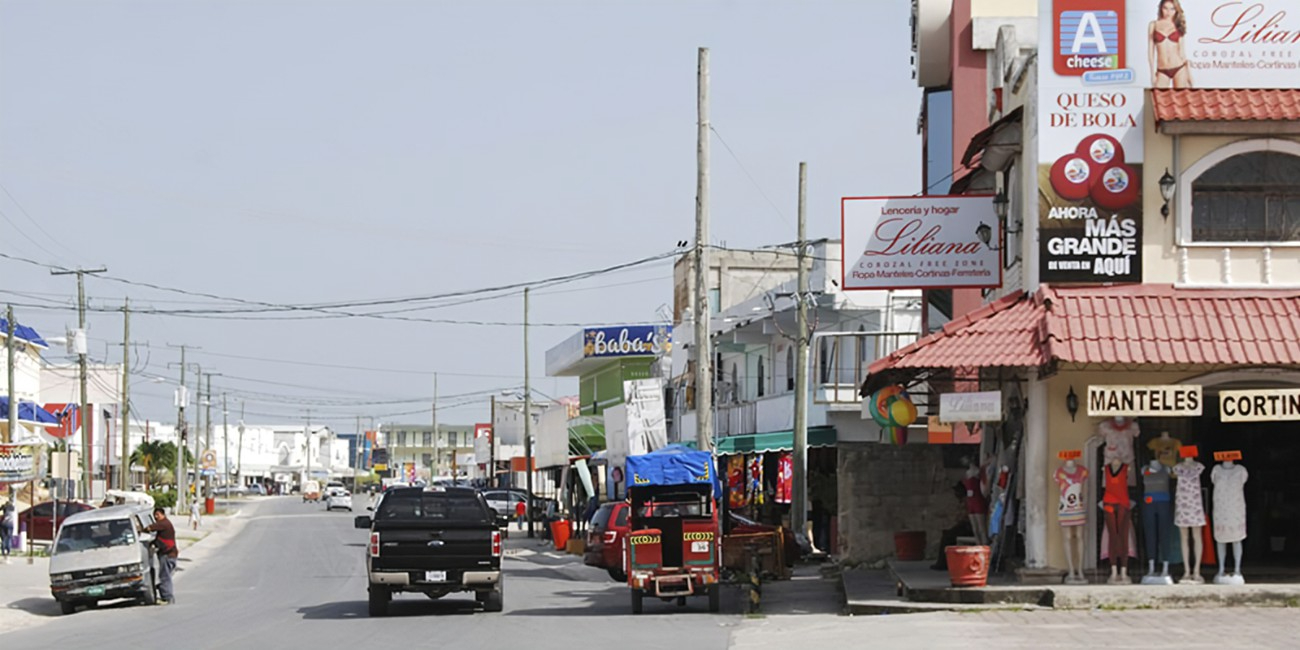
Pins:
<point x="749" y="176"/>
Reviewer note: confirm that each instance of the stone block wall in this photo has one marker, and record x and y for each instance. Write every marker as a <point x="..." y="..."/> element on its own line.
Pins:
<point x="884" y="489"/>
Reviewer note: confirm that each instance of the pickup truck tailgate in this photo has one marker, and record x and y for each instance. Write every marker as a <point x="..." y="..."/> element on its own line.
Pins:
<point x="415" y="549"/>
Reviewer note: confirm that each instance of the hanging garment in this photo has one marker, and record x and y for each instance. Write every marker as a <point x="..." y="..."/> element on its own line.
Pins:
<point x="1229" y="502"/>
<point x="756" y="479"/>
<point x="1189" y="509"/>
<point x="1119" y="440"/>
<point x="1072" y="510"/>
<point x="1165" y="450"/>
<point x="785" y="478"/>
<point x="976" y="502"/>
<point x="736" y="482"/>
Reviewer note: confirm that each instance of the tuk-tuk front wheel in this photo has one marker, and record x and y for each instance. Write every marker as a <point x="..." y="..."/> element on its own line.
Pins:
<point x="715" y="598"/>
<point x="637" y="596"/>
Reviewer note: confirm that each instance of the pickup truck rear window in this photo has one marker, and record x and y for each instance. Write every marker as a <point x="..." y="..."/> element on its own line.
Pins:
<point x="433" y="506"/>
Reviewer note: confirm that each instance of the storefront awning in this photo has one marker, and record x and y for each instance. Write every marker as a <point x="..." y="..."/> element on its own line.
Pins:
<point x="1141" y="325"/>
<point x="775" y="441"/>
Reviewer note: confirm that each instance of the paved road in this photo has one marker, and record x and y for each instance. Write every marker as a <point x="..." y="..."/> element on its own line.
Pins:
<point x="294" y="578"/>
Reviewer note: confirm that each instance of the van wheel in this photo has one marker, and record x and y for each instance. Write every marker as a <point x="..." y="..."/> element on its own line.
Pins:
<point x="148" y="596"/>
<point x="379" y="597"/>
<point x="637" y="597"/>
<point x="67" y="607"/>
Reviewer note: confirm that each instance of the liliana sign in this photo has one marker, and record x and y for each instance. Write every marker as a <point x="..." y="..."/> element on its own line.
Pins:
<point x="919" y="242"/>
<point x="971" y="407"/>
<point x="1259" y="405"/>
<point x="1133" y="401"/>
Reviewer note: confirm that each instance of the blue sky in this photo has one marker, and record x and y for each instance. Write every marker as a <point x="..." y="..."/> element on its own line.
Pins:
<point x="293" y="152"/>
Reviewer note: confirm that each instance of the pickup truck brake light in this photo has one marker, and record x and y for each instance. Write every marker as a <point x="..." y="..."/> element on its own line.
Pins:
<point x="496" y="543"/>
<point x="611" y="536"/>
<point x="374" y="544"/>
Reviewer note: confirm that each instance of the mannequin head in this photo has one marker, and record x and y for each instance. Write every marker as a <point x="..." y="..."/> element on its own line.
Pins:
<point x="972" y="471"/>
<point x="1120" y="420"/>
<point x="1164" y="435"/>
<point x="1069" y="465"/>
<point x="1155" y="464"/>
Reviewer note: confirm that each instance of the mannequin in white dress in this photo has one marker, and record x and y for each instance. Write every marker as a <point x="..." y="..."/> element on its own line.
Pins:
<point x="1229" y="517"/>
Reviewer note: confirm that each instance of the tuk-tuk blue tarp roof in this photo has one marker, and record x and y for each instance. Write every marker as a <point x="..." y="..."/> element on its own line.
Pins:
<point x="672" y="465"/>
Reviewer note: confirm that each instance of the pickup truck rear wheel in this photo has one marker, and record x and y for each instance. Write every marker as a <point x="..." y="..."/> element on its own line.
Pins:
<point x="493" y="601"/>
<point x="379" y="597"/>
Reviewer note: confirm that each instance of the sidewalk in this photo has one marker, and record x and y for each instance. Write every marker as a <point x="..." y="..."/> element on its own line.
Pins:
<point x="25" y="599"/>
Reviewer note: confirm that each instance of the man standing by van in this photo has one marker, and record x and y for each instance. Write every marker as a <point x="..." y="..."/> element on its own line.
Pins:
<point x="165" y="546"/>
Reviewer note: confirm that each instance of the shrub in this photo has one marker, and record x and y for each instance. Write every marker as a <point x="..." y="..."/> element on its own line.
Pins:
<point x="163" y="499"/>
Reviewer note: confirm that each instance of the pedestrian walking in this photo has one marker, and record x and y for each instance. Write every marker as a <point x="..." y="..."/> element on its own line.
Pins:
<point x="165" y="546"/>
<point x="520" y="510"/>
<point x="8" y="522"/>
<point x="196" y="515"/>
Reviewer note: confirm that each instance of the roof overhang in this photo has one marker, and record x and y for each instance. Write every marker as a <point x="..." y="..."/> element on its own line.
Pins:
<point x="1225" y="111"/>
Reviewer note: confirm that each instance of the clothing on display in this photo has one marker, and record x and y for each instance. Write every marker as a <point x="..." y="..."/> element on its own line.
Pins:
<point x="1189" y="509"/>
<point x="1118" y="434"/>
<point x="1071" y="511"/>
<point x="1157" y="511"/>
<point x="756" y="496"/>
<point x="1165" y="449"/>
<point x="1118" y="530"/>
<point x="1229" y="481"/>
<point x="736" y="482"/>
<point x="785" y="478"/>
<point x="1116" y="487"/>
<point x="976" y="502"/>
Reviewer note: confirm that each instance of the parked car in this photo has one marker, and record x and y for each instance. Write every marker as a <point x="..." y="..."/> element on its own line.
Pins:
<point x="99" y="555"/>
<point x="605" y="539"/>
<point x="257" y="488"/>
<point x="503" y="501"/>
<point x="434" y="541"/>
<point x="39" y="519"/>
<point x="229" y="490"/>
<point x="338" y="498"/>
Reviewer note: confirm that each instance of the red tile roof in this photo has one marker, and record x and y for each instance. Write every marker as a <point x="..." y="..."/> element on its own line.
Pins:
<point x="1196" y="104"/>
<point x="1142" y="324"/>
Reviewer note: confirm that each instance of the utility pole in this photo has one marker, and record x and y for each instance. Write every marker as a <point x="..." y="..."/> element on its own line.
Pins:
<point x="123" y="483"/>
<point x="799" y="509"/>
<point x="181" y="399"/>
<point x="703" y="353"/>
<point x="239" y="464"/>
<point x="433" y="471"/>
<point x="81" y="364"/>
<point x="308" y="438"/>
<point x="492" y="443"/>
<point x="356" y="456"/>
<point x="225" y="441"/>
<point x="528" y="422"/>
<point x="12" y="415"/>
<point x="207" y="436"/>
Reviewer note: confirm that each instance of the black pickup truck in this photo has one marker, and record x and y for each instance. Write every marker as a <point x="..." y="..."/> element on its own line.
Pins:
<point x="435" y="541"/>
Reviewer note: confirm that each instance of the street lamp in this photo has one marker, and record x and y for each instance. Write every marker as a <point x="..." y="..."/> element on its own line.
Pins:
<point x="1167" y="188"/>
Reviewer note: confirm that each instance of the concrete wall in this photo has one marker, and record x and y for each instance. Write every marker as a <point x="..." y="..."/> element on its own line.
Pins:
<point x="884" y="489"/>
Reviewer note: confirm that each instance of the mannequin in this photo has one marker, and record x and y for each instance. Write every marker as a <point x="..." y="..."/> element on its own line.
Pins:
<point x="977" y="503"/>
<point x="1070" y="478"/>
<point x="1165" y="449"/>
<point x="1157" y="521"/>
<point x="1189" y="516"/>
<point x="1116" y="506"/>
<point x="1229" y="481"/>
<point x="1119" y="433"/>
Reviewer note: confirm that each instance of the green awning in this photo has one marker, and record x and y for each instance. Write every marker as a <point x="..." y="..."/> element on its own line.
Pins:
<point x="773" y="441"/>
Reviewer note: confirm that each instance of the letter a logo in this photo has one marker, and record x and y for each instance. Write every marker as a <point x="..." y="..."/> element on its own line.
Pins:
<point x="1087" y="36"/>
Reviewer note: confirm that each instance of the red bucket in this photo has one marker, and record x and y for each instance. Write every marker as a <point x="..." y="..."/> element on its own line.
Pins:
<point x="968" y="566"/>
<point x="909" y="545"/>
<point x="560" y="533"/>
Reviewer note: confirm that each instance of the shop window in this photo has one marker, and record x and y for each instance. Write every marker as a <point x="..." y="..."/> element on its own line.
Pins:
<point x="1250" y="197"/>
<point x="428" y="439"/>
<point x="715" y="301"/>
<point x="762" y="377"/>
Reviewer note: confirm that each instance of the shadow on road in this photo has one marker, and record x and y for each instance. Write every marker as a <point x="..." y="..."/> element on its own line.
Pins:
<point x="618" y="602"/>
<point x="37" y="606"/>
<point x="399" y="607"/>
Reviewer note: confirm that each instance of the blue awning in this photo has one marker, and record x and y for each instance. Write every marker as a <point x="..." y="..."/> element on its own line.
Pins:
<point x="23" y="333"/>
<point x="28" y="413"/>
<point x="671" y="465"/>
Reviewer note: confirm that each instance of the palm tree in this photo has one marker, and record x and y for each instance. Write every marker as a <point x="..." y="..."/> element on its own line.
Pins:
<point x="159" y="460"/>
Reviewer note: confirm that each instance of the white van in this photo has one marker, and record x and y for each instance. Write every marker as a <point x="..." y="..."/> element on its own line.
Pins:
<point x="99" y="555"/>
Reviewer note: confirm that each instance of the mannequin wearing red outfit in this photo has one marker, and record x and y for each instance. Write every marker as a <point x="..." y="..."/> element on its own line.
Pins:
<point x="1116" y="506"/>
<point x="977" y="503"/>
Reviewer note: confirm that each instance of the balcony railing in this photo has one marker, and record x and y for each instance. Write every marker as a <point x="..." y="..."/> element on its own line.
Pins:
<point x="840" y="361"/>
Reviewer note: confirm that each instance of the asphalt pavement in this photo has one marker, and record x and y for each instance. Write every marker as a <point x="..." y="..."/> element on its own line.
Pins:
<point x="292" y="576"/>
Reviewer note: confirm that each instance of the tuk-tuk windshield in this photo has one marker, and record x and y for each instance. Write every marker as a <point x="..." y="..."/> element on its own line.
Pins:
<point x="676" y="504"/>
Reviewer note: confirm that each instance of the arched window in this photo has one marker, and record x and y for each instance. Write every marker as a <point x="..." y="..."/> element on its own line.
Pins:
<point x="1248" y="197"/>
<point x="762" y="378"/>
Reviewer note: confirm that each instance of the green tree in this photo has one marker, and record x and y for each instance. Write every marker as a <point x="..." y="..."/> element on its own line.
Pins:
<point x="159" y="461"/>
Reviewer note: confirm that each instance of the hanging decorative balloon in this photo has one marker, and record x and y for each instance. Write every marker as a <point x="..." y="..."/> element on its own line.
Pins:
<point x="892" y="408"/>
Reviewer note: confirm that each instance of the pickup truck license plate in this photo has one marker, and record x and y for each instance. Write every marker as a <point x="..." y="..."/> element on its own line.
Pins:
<point x="95" y="591"/>
<point x="435" y="576"/>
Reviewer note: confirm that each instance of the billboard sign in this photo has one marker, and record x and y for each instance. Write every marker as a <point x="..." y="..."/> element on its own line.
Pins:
<point x="1090" y="145"/>
<point x="627" y="341"/>
<point x="1214" y="43"/>
<point x="920" y="242"/>
<point x="19" y="463"/>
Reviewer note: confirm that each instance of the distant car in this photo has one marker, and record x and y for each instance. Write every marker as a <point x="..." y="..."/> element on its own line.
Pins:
<point x="257" y="489"/>
<point x="229" y="490"/>
<point x="310" y="491"/>
<point x="39" y="519"/>
<point x="338" y="499"/>
<point x="605" y="536"/>
<point x="503" y="501"/>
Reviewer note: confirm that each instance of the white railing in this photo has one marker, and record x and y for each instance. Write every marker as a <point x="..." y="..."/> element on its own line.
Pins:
<point x="840" y="361"/>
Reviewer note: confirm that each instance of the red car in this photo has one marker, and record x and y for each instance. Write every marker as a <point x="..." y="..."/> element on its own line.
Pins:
<point x="605" y="539"/>
<point x="39" y="519"/>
